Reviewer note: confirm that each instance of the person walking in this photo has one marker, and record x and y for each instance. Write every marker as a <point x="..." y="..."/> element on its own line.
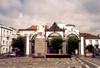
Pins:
<point x="93" y="55"/>
<point x="76" y="53"/>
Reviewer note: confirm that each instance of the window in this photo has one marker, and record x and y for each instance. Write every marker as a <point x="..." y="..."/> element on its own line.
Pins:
<point x="96" y="41"/>
<point x="6" y="42"/>
<point x="4" y="33"/>
<point x="6" y="50"/>
<point x="96" y="46"/>
<point x="7" y="33"/>
<point x="3" y="42"/>
<point x="90" y="41"/>
<point x="10" y="33"/>
<point x="3" y="48"/>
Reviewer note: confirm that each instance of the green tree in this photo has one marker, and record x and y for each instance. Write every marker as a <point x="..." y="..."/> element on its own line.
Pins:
<point x="90" y="48"/>
<point x="19" y="42"/>
<point x="72" y="42"/>
<point x="56" y="43"/>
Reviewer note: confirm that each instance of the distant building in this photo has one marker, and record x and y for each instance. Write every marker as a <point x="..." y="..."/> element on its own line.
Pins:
<point x="91" y="40"/>
<point x="6" y="36"/>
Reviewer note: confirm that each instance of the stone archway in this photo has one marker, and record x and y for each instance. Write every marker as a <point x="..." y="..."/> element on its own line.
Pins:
<point x="49" y="38"/>
<point x="33" y="43"/>
<point x="78" y="42"/>
<point x="56" y="29"/>
<point x="72" y="44"/>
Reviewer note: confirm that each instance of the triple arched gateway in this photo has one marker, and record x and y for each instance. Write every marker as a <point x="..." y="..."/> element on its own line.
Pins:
<point x="39" y="46"/>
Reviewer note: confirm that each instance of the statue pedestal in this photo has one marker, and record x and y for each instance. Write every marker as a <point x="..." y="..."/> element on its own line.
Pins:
<point x="40" y="46"/>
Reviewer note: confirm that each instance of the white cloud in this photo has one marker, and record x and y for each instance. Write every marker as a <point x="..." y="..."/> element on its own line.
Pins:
<point x="82" y="13"/>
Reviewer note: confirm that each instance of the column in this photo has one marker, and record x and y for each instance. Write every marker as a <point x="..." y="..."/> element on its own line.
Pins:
<point x="79" y="47"/>
<point x="82" y="46"/>
<point x="27" y="46"/>
<point x="30" y="47"/>
<point x="46" y="47"/>
<point x="64" y="46"/>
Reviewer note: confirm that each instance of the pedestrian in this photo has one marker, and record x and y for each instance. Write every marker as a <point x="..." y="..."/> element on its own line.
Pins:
<point x="93" y="55"/>
<point x="76" y="53"/>
<point x="9" y="55"/>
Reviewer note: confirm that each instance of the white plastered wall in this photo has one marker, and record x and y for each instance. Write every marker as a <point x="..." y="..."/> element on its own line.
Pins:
<point x="26" y="32"/>
<point x="93" y="42"/>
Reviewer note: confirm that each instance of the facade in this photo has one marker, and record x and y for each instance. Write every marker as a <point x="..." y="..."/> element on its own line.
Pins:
<point x="43" y="33"/>
<point x="6" y="36"/>
<point x="64" y="30"/>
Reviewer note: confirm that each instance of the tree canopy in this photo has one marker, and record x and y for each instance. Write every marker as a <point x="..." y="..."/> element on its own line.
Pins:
<point x="56" y="43"/>
<point x="18" y="42"/>
<point x="90" y="48"/>
<point x="72" y="42"/>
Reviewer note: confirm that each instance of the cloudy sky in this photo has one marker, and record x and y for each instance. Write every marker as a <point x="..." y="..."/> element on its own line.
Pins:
<point x="84" y="14"/>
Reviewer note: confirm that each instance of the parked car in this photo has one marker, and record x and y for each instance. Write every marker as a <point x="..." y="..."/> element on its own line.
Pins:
<point x="12" y="54"/>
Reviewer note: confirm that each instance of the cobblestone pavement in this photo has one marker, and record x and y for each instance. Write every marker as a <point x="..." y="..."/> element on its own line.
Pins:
<point x="29" y="62"/>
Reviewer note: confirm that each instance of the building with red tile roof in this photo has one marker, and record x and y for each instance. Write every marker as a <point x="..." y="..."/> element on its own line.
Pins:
<point x="64" y="30"/>
<point x="89" y="36"/>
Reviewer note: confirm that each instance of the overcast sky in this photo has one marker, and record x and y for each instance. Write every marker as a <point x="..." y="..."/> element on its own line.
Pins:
<point x="20" y="14"/>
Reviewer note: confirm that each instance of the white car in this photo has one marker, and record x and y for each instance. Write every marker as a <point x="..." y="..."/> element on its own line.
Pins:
<point x="12" y="54"/>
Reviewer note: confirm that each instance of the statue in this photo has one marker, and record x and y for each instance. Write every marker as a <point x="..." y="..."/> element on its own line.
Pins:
<point x="40" y="31"/>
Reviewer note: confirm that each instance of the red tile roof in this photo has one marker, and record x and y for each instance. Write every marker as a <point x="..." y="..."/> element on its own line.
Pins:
<point x="35" y="27"/>
<point x="32" y="27"/>
<point x="88" y="35"/>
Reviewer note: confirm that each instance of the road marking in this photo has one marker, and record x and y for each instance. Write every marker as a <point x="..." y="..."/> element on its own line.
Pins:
<point x="67" y="62"/>
<point x="57" y="62"/>
<point x="80" y="61"/>
<point x="68" y="67"/>
<point x="87" y="66"/>
<point x="80" y="67"/>
<point x="92" y="63"/>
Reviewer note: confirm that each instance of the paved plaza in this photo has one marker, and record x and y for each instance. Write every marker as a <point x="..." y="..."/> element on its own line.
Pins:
<point x="29" y="62"/>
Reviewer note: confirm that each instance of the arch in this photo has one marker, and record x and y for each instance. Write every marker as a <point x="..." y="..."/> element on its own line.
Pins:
<point x="69" y="48"/>
<point x="50" y="48"/>
<point x="72" y="33"/>
<point x="54" y="33"/>
<point x="33" y="34"/>
<point x="32" y="43"/>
